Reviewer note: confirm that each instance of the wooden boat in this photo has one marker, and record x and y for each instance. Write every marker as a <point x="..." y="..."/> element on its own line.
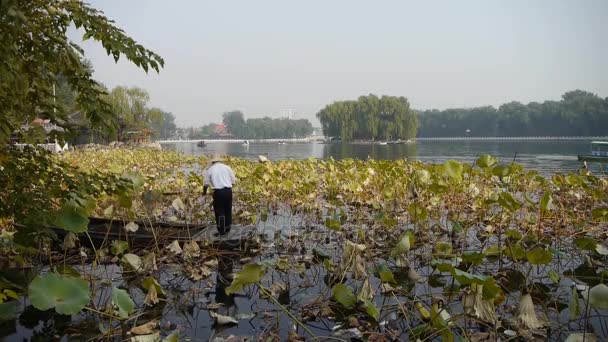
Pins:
<point x="104" y="231"/>
<point x="599" y="152"/>
<point x="201" y="144"/>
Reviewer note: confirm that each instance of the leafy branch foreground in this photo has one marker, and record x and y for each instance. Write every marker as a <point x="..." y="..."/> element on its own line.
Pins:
<point x="377" y="249"/>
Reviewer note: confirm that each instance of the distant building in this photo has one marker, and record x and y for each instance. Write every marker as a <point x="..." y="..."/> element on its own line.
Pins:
<point x="44" y="123"/>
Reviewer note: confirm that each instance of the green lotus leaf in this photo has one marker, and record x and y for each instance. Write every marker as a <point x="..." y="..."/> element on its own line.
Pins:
<point x="539" y="256"/>
<point x="8" y="310"/>
<point x="585" y="243"/>
<point x="501" y="171"/>
<point x="250" y="274"/>
<point x="465" y="278"/>
<point x="454" y="169"/>
<point x="72" y="218"/>
<point x="344" y="295"/>
<point x="67" y="295"/>
<point x="371" y="309"/>
<point x="546" y="202"/>
<point x="486" y="160"/>
<point x="333" y="224"/>
<point x="598" y="296"/>
<point x="123" y="302"/>
<point x="403" y="246"/>
<point x="119" y="247"/>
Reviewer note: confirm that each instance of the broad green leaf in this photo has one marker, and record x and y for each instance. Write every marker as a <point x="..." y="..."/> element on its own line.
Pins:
<point x="119" y="247"/>
<point x="67" y="295"/>
<point x="418" y="212"/>
<point x="123" y="302"/>
<point x="443" y="248"/>
<point x="508" y="202"/>
<point x="387" y="276"/>
<point x="515" y="251"/>
<point x="501" y="171"/>
<point x="150" y="281"/>
<point x="585" y="243"/>
<point x="72" y="218"/>
<point x="371" y="310"/>
<point x="465" y="278"/>
<point x="333" y="224"/>
<point x="513" y="235"/>
<point x="598" y="296"/>
<point x="473" y="258"/>
<point x="423" y="176"/>
<point x="486" y="160"/>
<point x="600" y="214"/>
<point x="403" y="246"/>
<point x="135" y="178"/>
<point x="8" y="310"/>
<point x="553" y="276"/>
<point x="250" y="274"/>
<point x="454" y="169"/>
<point x="539" y="256"/>
<point x="490" y="289"/>
<point x="344" y="295"/>
<point x="546" y="202"/>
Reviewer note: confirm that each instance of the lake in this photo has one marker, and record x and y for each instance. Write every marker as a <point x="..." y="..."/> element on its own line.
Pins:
<point x="546" y="156"/>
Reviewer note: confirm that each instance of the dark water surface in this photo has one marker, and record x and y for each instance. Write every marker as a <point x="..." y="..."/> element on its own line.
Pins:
<point x="546" y="156"/>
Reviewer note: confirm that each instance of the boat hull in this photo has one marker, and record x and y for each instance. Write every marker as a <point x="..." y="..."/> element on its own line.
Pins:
<point x="592" y="158"/>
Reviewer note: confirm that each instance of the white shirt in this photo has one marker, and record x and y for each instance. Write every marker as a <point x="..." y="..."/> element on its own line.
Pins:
<point x="219" y="176"/>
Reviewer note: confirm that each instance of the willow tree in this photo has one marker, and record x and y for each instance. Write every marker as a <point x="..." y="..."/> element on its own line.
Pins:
<point x="36" y="52"/>
<point x="369" y="117"/>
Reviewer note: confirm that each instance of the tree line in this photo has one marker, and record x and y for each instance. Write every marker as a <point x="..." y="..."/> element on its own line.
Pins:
<point x="253" y="128"/>
<point x="578" y="113"/>
<point x="133" y="117"/>
<point x="369" y="118"/>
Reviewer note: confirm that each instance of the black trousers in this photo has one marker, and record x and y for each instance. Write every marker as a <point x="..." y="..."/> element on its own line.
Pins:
<point x="222" y="206"/>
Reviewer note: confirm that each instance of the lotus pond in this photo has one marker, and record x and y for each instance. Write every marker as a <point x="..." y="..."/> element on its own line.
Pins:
<point x="368" y="250"/>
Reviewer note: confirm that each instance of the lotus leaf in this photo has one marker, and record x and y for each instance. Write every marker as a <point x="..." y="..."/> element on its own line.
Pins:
<point x="123" y="302"/>
<point x="67" y="295"/>
<point x="344" y="295"/>
<point x="250" y="274"/>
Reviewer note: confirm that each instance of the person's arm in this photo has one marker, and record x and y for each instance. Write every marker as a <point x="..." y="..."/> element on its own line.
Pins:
<point x="206" y="181"/>
<point x="232" y="176"/>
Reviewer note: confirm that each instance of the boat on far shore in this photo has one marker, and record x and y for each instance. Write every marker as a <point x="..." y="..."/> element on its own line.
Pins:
<point x="201" y="143"/>
<point x="599" y="152"/>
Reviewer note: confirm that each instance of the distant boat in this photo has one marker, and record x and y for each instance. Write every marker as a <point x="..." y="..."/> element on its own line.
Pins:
<point x="201" y="144"/>
<point x="599" y="152"/>
<point x="246" y="143"/>
<point x="382" y="143"/>
<point x="282" y="142"/>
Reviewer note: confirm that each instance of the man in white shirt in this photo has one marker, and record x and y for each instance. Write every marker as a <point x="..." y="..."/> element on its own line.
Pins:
<point x="220" y="178"/>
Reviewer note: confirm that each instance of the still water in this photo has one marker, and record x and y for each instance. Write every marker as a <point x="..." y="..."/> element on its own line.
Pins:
<point x="546" y="156"/>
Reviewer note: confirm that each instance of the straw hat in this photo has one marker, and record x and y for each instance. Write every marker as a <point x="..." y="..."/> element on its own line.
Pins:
<point x="215" y="159"/>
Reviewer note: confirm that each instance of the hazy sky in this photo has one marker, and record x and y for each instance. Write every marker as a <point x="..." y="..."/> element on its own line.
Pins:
<point x="266" y="56"/>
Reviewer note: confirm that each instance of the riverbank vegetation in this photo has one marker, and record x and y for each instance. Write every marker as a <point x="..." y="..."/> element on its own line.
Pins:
<point x="382" y="249"/>
<point x="234" y="125"/>
<point x="578" y="113"/>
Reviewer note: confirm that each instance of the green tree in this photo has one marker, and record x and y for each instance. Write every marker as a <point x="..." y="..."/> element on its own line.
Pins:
<point x="369" y="117"/>
<point x="235" y="123"/>
<point x="36" y="52"/>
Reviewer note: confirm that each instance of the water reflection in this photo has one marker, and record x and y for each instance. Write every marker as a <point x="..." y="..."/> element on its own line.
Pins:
<point x="224" y="279"/>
